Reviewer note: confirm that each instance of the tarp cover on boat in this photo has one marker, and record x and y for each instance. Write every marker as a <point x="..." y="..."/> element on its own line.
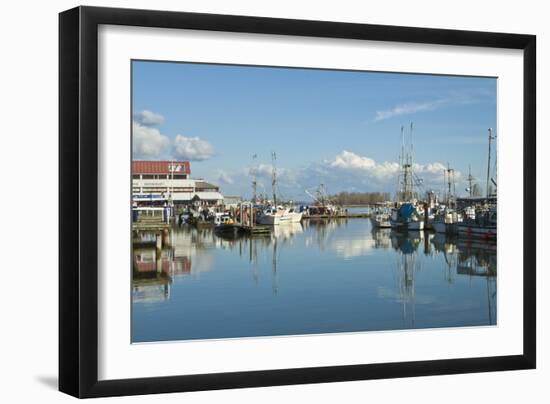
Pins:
<point x="406" y="210"/>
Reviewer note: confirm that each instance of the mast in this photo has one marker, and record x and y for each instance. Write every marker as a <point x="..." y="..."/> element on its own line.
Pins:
<point x="454" y="187"/>
<point x="406" y="176"/>
<point x="254" y="181"/>
<point x="489" y="164"/>
<point x="448" y="184"/>
<point x="274" y="178"/>
<point x="409" y="187"/>
<point x="445" y="184"/>
<point x="451" y="185"/>
<point x="470" y="180"/>
<point x="402" y="155"/>
<point x="411" y="145"/>
<point x="400" y="184"/>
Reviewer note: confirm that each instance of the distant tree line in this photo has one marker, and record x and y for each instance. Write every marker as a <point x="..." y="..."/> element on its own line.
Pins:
<point x="360" y="198"/>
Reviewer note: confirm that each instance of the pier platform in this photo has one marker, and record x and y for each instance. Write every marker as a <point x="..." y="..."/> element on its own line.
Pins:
<point x="237" y="229"/>
<point x="257" y="230"/>
<point x="339" y="216"/>
<point x="150" y="223"/>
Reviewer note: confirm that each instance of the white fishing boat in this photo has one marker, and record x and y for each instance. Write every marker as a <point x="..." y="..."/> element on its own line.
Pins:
<point x="280" y="215"/>
<point x="446" y="221"/>
<point x="381" y="220"/>
<point x="277" y="214"/>
<point x="446" y="218"/>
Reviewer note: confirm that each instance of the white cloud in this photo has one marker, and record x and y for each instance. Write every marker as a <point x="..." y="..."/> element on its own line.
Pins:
<point x="266" y="171"/>
<point x="347" y="160"/>
<point x="147" y="117"/>
<point x="464" y="96"/>
<point x="224" y="178"/>
<point x="148" y="142"/>
<point x="346" y="171"/>
<point x="192" y="148"/>
<point x="262" y="170"/>
<point x="409" y="108"/>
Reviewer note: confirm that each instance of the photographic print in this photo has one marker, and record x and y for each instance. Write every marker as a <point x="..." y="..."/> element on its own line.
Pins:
<point x="275" y="201"/>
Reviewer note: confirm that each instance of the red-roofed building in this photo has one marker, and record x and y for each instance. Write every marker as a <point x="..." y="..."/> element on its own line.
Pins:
<point x="150" y="169"/>
<point x="161" y="183"/>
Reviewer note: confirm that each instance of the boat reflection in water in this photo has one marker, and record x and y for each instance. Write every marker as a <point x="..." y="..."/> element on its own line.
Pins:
<point x="320" y="276"/>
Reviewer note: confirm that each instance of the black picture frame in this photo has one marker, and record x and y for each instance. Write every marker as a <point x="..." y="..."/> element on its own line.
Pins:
<point x="78" y="196"/>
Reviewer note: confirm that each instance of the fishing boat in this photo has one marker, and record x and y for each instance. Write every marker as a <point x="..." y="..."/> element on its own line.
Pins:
<point x="408" y="215"/>
<point x="446" y="221"/>
<point x="406" y="218"/>
<point x="381" y="220"/>
<point x="279" y="215"/>
<point x="323" y="205"/>
<point x="446" y="218"/>
<point x="484" y="225"/>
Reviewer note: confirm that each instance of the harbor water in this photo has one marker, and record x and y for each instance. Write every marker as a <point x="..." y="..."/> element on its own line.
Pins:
<point x="314" y="277"/>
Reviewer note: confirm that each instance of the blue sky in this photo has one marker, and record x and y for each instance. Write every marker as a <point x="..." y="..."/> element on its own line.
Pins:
<point x="337" y="127"/>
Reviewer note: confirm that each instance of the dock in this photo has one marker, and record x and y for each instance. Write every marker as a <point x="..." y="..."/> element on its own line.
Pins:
<point x="238" y="229"/>
<point x="257" y="230"/>
<point x="150" y="223"/>
<point x="338" y="216"/>
<point x="159" y="231"/>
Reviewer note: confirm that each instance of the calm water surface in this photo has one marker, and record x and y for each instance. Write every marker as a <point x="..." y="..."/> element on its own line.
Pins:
<point x="314" y="277"/>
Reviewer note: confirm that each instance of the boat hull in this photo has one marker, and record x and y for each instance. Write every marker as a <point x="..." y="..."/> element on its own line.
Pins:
<point x="381" y="222"/>
<point x="408" y="226"/>
<point x="415" y="226"/>
<point x="277" y="219"/>
<point x="229" y="230"/>
<point x="473" y="231"/>
<point x="439" y="227"/>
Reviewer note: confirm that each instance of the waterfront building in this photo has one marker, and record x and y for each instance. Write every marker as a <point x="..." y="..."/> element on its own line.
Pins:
<point x="231" y="201"/>
<point x="157" y="183"/>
